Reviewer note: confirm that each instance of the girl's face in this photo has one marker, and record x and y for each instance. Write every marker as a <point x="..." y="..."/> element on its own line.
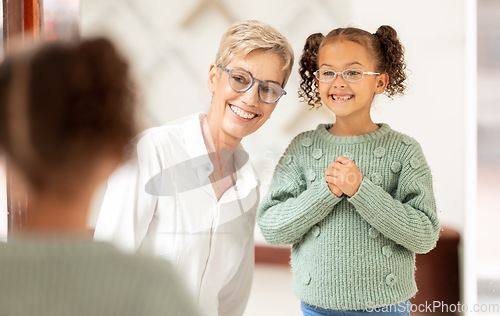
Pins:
<point x="238" y="114"/>
<point x="349" y="100"/>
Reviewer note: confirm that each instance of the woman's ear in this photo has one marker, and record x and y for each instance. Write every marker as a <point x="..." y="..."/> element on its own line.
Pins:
<point x="382" y="81"/>
<point x="212" y="78"/>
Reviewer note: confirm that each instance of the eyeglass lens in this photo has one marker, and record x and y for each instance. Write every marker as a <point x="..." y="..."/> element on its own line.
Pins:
<point x="241" y="81"/>
<point x="348" y="74"/>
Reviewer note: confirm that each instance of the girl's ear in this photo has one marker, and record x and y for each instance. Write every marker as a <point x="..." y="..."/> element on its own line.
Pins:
<point x="382" y="81"/>
<point x="212" y="78"/>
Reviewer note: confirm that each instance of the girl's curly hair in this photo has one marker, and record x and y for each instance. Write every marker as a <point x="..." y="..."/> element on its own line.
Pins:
<point x="383" y="44"/>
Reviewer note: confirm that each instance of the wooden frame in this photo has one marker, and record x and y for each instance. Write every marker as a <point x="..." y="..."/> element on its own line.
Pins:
<point x="22" y="21"/>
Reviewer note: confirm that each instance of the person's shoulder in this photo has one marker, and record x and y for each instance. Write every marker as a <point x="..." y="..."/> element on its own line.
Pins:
<point x="151" y="279"/>
<point x="403" y="139"/>
<point x="408" y="149"/>
<point x="168" y="133"/>
<point x="169" y="129"/>
<point x="307" y="138"/>
<point x="131" y="284"/>
<point x="131" y="263"/>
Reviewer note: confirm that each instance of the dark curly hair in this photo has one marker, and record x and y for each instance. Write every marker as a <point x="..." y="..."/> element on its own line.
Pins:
<point x="62" y="106"/>
<point x="384" y="46"/>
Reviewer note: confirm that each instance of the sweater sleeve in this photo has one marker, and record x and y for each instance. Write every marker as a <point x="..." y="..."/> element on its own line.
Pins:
<point x="409" y="218"/>
<point x="289" y="210"/>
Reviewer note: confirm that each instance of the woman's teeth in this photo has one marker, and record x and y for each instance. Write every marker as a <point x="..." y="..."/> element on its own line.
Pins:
<point x="242" y="113"/>
<point x="341" y="98"/>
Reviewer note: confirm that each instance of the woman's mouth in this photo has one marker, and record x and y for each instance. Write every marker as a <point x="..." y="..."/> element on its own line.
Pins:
<point x="344" y="97"/>
<point x="242" y="113"/>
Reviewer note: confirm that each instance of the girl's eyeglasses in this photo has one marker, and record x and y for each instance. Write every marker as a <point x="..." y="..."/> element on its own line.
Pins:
<point x="241" y="80"/>
<point x="351" y="75"/>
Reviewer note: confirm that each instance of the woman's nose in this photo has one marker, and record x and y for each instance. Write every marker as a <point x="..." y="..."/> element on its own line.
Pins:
<point x="251" y="96"/>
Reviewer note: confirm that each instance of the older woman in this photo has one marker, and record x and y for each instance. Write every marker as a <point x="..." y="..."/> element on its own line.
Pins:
<point x="191" y="196"/>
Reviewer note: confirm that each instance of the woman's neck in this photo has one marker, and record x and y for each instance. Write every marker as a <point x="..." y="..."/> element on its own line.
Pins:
<point x="218" y="138"/>
<point x="345" y="127"/>
<point x="54" y="213"/>
<point x="222" y="177"/>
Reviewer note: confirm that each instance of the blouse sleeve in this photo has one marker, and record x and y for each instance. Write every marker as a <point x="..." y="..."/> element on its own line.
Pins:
<point x="127" y="208"/>
<point x="409" y="218"/>
<point x="289" y="210"/>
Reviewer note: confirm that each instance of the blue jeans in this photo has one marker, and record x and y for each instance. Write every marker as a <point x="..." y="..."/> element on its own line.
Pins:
<point x="400" y="309"/>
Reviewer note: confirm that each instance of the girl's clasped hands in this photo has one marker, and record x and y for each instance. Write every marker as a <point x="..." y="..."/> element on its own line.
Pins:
<point x="343" y="177"/>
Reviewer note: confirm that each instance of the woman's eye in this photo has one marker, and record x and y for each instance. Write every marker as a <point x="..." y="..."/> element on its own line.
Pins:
<point x="269" y="91"/>
<point x="240" y="79"/>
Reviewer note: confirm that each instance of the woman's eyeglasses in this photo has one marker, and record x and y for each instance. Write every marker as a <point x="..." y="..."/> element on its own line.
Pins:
<point x="241" y="80"/>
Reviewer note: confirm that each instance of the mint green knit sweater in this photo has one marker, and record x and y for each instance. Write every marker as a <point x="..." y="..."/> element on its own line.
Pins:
<point x="54" y="276"/>
<point x="352" y="253"/>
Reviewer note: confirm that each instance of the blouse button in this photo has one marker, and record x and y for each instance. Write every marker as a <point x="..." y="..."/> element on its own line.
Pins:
<point x="287" y="159"/>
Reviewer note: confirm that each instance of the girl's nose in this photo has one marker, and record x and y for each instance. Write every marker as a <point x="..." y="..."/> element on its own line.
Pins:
<point x="339" y="82"/>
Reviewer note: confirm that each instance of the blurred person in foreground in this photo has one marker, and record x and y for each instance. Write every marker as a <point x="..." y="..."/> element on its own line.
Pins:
<point x="67" y="113"/>
<point x="191" y="196"/>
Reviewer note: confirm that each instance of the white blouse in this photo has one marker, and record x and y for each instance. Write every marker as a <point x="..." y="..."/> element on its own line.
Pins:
<point x="163" y="203"/>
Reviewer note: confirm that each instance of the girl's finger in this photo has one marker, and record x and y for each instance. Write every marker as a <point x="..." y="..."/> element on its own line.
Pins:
<point x="330" y="179"/>
<point x="343" y="160"/>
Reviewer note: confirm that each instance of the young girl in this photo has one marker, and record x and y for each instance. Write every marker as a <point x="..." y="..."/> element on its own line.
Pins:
<point x="354" y="198"/>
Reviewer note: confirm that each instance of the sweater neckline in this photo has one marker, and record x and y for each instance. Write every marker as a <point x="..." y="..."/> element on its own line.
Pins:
<point x="381" y="132"/>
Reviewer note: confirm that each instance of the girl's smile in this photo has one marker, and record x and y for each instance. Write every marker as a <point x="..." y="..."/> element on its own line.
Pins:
<point x="341" y="97"/>
<point x="349" y="101"/>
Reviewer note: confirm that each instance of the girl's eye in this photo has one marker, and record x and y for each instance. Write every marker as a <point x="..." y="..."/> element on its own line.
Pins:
<point x="353" y="73"/>
<point x="328" y="73"/>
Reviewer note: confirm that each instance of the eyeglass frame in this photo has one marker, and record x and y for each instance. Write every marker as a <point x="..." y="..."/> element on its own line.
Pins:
<point x="342" y="72"/>
<point x="230" y="72"/>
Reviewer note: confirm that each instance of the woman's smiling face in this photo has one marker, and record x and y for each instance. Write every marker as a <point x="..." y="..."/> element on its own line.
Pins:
<point x="238" y="114"/>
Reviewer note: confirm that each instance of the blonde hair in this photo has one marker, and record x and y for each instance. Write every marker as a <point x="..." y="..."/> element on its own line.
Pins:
<point x="246" y="36"/>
